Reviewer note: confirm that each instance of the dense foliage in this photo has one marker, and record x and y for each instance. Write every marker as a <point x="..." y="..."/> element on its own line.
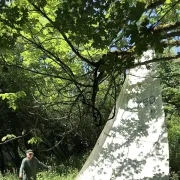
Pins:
<point x="171" y="95"/>
<point x="62" y="66"/>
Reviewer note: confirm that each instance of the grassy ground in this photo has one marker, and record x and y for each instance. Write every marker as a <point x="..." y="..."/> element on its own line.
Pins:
<point x="51" y="175"/>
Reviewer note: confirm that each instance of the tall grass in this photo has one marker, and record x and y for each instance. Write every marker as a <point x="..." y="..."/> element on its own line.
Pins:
<point x="45" y="175"/>
<point x="8" y="176"/>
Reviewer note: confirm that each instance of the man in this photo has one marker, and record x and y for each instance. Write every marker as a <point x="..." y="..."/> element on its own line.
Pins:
<point x="30" y="166"/>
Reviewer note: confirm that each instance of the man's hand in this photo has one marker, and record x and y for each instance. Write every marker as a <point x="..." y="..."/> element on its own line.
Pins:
<point x="20" y="176"/>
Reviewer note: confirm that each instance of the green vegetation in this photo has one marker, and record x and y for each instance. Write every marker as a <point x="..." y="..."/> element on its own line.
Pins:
<point x="62" y="65"/>
<point x="170" y="73"/>
<point x="45" y="176"/>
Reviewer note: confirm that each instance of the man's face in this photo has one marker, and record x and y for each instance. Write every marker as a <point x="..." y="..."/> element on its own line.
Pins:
<point x="29" y="155"/>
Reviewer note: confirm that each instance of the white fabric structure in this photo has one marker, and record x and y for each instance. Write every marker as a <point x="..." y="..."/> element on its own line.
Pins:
<point x="134" y="144"/>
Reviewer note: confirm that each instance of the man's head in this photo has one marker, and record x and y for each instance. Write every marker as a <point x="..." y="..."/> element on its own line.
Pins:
<point x="29" y="154"/>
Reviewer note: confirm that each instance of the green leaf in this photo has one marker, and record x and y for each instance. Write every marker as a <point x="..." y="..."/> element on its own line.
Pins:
<point x="35" y="140"/>
<point x="3" y="96"/>
<point x="8" y="136"/>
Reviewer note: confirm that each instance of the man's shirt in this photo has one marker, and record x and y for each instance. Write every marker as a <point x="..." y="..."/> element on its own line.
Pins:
<point x="29" y="168"/>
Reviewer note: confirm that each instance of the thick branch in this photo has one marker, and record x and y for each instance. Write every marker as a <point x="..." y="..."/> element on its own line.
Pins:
<point x="155" y="4"/>
<point x="166" y="27"/>
<point x="171" y="43"/>
<point x="172" y="34"/>
<point x="157" y="60"/>
<point x="169" y="35"/>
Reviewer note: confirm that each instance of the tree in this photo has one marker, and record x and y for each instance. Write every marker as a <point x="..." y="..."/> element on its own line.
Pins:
<point x="69" y="58"/>
<point x="170" y="73"/>
<point x="74" y="41"/>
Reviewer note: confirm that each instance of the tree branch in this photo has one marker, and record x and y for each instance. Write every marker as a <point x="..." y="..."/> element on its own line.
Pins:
<point x="166" y="27"/>
<point x="171" y="43"/>
<point x="43" y="74"/>
<point x="16" y="138"/>
<point x="155" y="4"/>
<point x="171" y="35"/>
<point x="156" y="60"/>
<point x="64" y="36"/>
<point x="57" y="60"/>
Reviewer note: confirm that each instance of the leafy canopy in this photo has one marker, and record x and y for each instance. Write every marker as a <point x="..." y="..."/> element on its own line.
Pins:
<point x="83" y="46"/>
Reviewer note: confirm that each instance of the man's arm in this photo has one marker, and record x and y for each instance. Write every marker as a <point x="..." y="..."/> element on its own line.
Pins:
<point x="41" y="165"/>
<point x="21" y="169"/>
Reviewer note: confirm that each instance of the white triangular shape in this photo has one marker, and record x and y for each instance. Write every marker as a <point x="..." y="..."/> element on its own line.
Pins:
<point x="134" y="144"/>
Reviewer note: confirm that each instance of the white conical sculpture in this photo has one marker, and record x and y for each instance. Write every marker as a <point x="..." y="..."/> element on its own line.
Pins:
<point x="134" y="144"/>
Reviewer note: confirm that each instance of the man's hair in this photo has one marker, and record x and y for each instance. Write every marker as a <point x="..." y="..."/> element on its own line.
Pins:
<point x="29" y="151"/>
